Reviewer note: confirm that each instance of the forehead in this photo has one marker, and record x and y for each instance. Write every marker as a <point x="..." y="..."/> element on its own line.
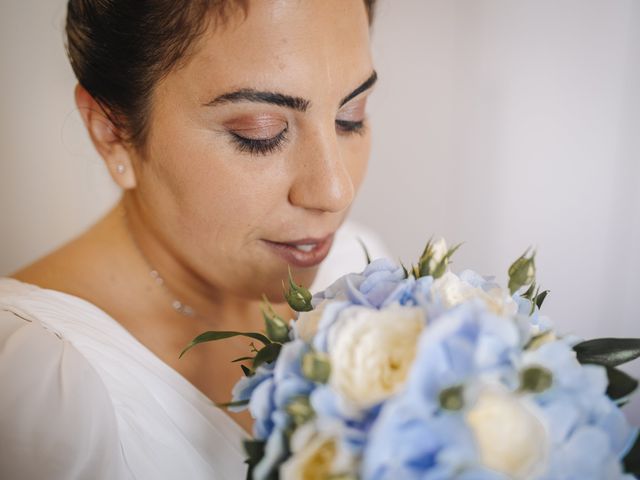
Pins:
<point x="289" y="45"/>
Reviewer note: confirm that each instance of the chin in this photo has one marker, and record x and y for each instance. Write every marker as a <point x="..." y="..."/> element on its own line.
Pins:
<point x="305" y="276"/>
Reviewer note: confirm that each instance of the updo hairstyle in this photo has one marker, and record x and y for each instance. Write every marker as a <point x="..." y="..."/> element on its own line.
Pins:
<point x="120" y="49"/>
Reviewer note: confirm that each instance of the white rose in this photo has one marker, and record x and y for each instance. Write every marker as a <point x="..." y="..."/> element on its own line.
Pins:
<point x="452" y="290"/>
<point x="371" y="351"/>
<point x="510" y="436"/>
<point x="315" y="455"/>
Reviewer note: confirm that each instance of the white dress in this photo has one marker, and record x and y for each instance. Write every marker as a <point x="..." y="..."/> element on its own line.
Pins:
<point x="81" y="398"/>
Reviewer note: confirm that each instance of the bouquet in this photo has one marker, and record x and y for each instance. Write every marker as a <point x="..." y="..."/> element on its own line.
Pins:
<point x="421" y="373"/>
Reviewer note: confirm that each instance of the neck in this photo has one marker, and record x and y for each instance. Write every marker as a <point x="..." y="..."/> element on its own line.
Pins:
<point x="212" y="307"/>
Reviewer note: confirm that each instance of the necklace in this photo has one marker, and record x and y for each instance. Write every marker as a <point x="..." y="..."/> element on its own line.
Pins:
<point x="177" y="304"/>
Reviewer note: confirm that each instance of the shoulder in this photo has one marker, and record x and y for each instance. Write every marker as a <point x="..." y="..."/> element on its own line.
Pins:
<point x="56" y="417"/>
<point x="80" y="266"/>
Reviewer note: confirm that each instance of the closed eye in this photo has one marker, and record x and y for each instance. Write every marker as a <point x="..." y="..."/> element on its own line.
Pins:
<point x="349" y="126"/>
<point x="266" y="146"/>
<point x="262" y="146"/>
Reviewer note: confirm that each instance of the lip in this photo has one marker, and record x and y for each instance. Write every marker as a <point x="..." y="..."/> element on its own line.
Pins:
<point x="298" y="258"/>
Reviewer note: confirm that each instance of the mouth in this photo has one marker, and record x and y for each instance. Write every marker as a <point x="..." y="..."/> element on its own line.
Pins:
<point x="306" y="252"/>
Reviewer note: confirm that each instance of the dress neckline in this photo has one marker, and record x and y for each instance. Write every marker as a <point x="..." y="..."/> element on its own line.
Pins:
<point x="168" y="371"/>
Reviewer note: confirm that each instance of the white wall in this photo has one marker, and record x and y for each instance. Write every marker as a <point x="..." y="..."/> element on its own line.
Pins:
<point x="52" y="183"/>
<point x="501" y="123"/>
<point x="505" y="124"/>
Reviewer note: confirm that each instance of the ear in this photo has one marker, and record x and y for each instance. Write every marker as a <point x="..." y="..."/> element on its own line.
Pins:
<point x="105" y="138"/>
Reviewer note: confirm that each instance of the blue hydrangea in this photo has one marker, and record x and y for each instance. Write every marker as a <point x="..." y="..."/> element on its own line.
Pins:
<point x="589" y="433"/>
<point x="414" y="437"/>
<point x="269" y="401"/>
<point x="276" y="387"/>
<point x="356" y="424"/>
<point x="463" y="343"/>
<point x="382" y="283"/>
<point x="379" y="285"/>
<point x="411" y="442"/>
<point x="243" y="389"/>
<point x="411" y="435"/>
<point x="372" y="288"/>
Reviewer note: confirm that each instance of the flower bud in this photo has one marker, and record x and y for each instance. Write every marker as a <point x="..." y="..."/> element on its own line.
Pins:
<point x="435" y="259"/>
<point x="452" y="398"/>
<point x="522" y="272"/>
<point x="298" y="297"/>
<point x="316" y="367"/>
<point x="300" y="410"/>
<point x="535" y="379"/>
<point x="276" y="328"/>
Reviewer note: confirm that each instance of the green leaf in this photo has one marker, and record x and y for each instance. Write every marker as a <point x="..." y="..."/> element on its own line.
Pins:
<point x="533" y="303"/>
<point x="522" y="272"/>
<point x="239" y="403"/>
<point x="267" y="354"/>
<point x="632" y="458"/>
<point x="530" y="293"/>
<point x="276" y="328"/>
<point x="426" y="264"/>
<point x="404" y="269"/>
<point x="241" y="359"/>
<point x="453" y="250"/>
<point x="255" y="452"/>
<point x="415" y="271"/>
<point x="620" y="384"/>
<point x="609" y="352"/>
<point x="427" y="248"/>
<point x="366" y="252"/>
<point x="221" y="335"/>
<point x="254" y="448"/>
<point x="422" y="269"/>
<point x="298" y="297"/>
<point x="539" y="299"/>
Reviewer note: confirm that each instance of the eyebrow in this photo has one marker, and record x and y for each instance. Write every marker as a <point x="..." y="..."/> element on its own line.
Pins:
<point x="366" y="85"/>
<point x="281" y="99"/>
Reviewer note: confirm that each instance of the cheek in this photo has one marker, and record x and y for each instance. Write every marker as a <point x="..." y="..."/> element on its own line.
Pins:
<point x="359" y="152"/>
<point x="214" y="190"/>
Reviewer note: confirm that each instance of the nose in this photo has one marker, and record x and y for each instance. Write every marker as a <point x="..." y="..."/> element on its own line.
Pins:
<point x="323" y="181"/>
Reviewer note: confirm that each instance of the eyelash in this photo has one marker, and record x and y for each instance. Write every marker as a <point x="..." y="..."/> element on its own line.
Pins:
<point x="259" y="147"/>
<point x="269" y="145"/>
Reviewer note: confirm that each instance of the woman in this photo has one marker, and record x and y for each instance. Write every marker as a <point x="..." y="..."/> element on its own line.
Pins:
<point x="237" y="133"/>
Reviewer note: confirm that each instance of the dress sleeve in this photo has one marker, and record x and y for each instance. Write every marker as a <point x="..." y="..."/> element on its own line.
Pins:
<point x="56" y="417"/>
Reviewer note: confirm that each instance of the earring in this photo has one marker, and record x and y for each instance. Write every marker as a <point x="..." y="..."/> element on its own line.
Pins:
<point x="120" y="168"/>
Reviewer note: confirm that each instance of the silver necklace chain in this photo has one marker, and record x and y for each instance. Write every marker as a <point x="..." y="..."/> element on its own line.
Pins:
<point x="178" y="305"/>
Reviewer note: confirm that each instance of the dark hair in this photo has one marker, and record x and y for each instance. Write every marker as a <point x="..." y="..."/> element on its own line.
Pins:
<point x="120" y="49"/>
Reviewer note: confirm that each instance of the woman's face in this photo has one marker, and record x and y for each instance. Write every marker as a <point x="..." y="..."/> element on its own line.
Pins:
<point x="259" y="140"/>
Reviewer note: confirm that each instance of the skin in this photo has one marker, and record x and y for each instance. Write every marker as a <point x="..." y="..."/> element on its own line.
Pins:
<point x="198" y="209"/>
